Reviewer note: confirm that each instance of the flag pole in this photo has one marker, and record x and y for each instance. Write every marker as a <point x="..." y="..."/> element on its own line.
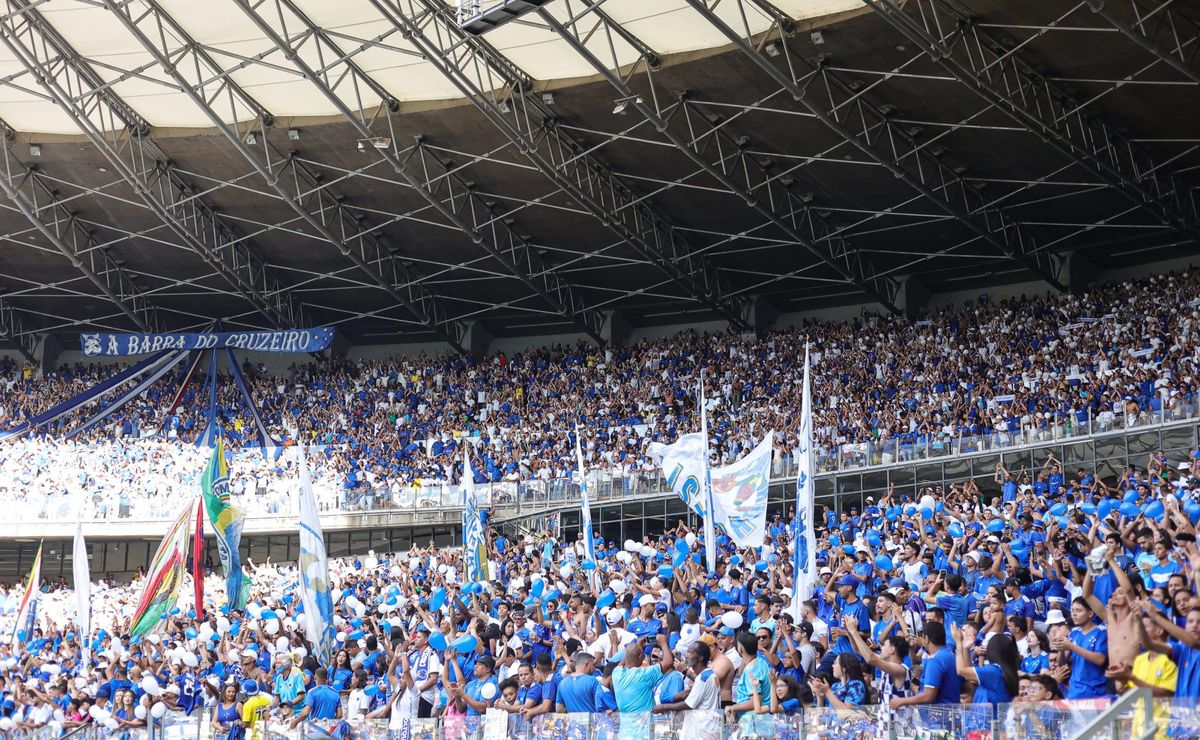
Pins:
<point x="804" y="553"/>
<point x="585" y="515"/>
<point x="710" y="538"/>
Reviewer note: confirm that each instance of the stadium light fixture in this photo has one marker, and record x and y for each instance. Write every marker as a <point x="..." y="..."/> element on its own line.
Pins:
<point x="251" y="139"/>
<point x="294" y="134"/>
<point x="35" y="150"/>
<point x="498" y="14"/>
<point x="548" y="98"/>
<point x="622" y="103"/>
<point x="379" y="142"/>
<point x="772" y="49"/>
<point x="817" y="37"/>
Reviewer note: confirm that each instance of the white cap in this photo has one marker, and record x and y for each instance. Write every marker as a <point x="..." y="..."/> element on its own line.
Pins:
<point x="248" y="653"/>
<point x="614" y="616"/>
<point x="826" y="571"/>
<point x="1054" y="616"/>
<point x="647" y="600"/>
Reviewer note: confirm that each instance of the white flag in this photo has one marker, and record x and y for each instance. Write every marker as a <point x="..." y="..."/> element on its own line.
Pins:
<point x="314" y="571"/>
<point x="83" y="592"/>
<point x="739" y="494"/>
<point x="804" y="551"/>
<point x="585" y="516"/>
<point x="739" y="490"/>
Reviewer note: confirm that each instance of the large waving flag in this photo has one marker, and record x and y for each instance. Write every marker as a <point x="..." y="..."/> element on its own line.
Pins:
<point x="739" y="491"/>
<point x="164" y="578"/>
<point x="585" y="515"/>
<point x="81" y="570"/>
<point x="474" y="545"/>
<point x="314" y="571"/>
<point x="739" y="494"/>
<point x="804" y="551"/>
<point x="27" y="613"/>
<point x="227" y="520"/>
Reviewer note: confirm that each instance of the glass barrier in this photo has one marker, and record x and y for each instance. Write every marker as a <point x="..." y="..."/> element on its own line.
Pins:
<point x="1174" y="718"/>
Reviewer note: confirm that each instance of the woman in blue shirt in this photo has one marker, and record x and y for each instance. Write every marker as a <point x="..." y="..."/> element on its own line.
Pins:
<point x="998" y="681"/>
<point x="1038" y="659"/>
<point x="1088" y="644"/>
<point x="849" y="689"/>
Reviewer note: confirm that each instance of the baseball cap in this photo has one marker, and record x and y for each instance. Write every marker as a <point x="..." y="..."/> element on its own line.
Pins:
<point x="826" y="571"/>
<point x="646" y="599"/>
<point x="726" y="632"/>
<point x="897" y="583"/>
<point x="614" y="616"/>
<point x="994" y="539"/>
<point x="248" y="653"/>
<point x="848" y="580"/>
<point x="712" y="575"/>
<point x="1012" y="581"/>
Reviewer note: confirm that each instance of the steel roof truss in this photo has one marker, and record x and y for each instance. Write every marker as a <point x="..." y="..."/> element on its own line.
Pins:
<point x="337" y="71"/>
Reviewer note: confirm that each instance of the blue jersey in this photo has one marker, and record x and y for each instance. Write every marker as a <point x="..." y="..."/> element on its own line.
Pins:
<point x="1087" y="679"/>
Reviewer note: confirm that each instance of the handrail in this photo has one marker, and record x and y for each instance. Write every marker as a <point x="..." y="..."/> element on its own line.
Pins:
<point x="1109" y="718"/>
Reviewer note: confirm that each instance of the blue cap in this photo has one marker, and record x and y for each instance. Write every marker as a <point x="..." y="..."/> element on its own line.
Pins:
<point x="250" y="687"/>
<point x="725" y="632"/>
<point x="712" y="574"/>
<point x="897" y="583"/>
<point x="848" y="580"/>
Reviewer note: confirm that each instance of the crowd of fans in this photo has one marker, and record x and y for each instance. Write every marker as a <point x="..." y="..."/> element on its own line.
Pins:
<point x="1031" y="601"/>
<point x="1125" y="353"/>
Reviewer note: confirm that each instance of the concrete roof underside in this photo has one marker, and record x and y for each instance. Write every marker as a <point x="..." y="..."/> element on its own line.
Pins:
<point x="367" y="165"/>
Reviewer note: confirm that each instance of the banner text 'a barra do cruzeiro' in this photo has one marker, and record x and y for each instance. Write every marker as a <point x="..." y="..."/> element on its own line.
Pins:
<point x="287" y="340"/>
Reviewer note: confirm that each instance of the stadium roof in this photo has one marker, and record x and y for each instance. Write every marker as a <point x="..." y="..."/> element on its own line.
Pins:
<point x="369" y="164"/>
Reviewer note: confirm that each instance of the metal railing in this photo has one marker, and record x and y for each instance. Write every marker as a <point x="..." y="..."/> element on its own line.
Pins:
<point x="508" y="499"/>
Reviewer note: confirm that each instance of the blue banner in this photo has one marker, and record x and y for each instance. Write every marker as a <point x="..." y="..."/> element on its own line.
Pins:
<point x="288" y="340"/>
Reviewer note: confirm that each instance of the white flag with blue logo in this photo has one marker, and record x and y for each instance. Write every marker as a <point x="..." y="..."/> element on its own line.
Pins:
<point x="804" y="551"/>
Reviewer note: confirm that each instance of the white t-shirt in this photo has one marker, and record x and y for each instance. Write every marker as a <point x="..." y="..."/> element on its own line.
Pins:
<point x="704" y="721"/>
<point x="404" y="710"/>
<point x="357" y="705"/>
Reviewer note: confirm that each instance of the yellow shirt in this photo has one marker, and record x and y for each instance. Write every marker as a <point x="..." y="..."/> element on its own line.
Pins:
<point x="254" y="714"/>
<point x="1159" y="671"/>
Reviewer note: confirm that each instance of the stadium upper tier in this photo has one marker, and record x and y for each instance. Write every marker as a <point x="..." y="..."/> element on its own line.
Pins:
<point x="884" y="390"/>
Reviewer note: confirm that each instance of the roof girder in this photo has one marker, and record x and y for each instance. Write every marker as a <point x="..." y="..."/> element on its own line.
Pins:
<point x="122" y="136"/>
<point x="867" y="128"/>
<point x="950" y="37"/>
<point x="746" y="177"/>
<point x="466" y="210"/>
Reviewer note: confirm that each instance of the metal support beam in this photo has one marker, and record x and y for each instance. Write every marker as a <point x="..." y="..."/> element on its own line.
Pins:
<point x="466" y="210"/>
<point x="952" y="38"/>
<point x="38" y="201"/>
<point x="122" y="136"/>
<point x="505" y="95"/>
<point x="1148" y="23"/>
<point x="856" y="121"/>
<point x="15" y="331"/>
<point x="178" y="55"/>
